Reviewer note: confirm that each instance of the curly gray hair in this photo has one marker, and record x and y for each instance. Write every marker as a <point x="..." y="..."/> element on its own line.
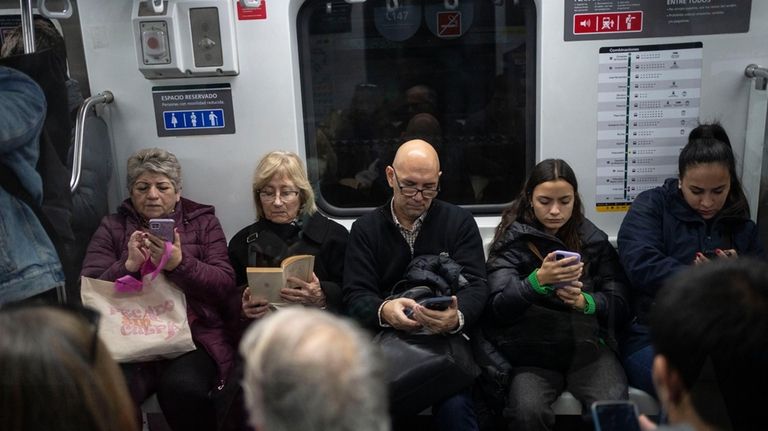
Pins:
<point x="156" y="161"/>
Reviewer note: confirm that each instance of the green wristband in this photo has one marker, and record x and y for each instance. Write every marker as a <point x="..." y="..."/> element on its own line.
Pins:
<point x="589" y="307"/>
<point x="539" y="288"/>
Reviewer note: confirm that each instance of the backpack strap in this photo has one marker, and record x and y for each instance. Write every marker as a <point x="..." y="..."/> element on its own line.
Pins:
<point x="535" y="250"/>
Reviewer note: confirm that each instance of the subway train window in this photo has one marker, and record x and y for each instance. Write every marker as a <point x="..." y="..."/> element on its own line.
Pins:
<point x="458" y="73"/>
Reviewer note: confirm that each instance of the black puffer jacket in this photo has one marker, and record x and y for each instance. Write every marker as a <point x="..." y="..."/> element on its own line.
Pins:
<point x="440" y="273"/>
<point x="534" y="329"/>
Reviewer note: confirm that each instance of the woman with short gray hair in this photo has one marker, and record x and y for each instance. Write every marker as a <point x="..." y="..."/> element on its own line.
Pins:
<point x="198" y="265"/>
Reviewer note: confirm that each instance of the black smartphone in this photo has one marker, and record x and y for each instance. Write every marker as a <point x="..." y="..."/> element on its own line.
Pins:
<point x="615" y="416"/>
<point x="162" y="228"/>
<point x="439" y="303"/>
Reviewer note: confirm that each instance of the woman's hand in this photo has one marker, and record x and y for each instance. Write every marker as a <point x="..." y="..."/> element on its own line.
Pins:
<point x="571" y="295"/>
<point x="719" y="253"/>
<point x="309" y="294"/>
<point x="137" y="251"/>
<point x="254" y="307"/>
<point x="156" y="247"/>
<point x="559" y="271"/>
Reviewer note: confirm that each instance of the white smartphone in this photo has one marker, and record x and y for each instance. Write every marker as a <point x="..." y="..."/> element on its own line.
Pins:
<point x="615" y="416"/>
<point x="162" y="228"/>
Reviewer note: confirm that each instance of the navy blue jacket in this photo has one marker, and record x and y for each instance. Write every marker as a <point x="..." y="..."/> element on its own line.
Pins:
<point x="661" y="234"/>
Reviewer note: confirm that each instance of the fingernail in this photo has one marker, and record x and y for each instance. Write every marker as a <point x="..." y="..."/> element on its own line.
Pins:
<point x="717" y="250"/>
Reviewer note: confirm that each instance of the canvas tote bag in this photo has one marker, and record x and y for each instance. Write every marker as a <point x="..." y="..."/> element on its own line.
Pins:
<point x="141" y="320"/>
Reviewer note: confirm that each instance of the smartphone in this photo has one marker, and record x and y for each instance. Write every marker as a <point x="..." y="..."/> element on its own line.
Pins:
<point x="615" y="416"/>
<point x="436" y="303"/>
<point x="439" y="303"/>
<point x="562" y="254"/>
<point x="162" y="228"/>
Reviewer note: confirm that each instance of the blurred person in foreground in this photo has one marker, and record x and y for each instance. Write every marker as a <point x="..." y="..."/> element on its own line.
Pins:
<point x="57" y="375"/>
<point x="307" y="370"/>
<point x="709" y="329"/>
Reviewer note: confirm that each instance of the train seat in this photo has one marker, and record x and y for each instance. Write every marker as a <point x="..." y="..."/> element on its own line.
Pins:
<point x="567" y="405"/>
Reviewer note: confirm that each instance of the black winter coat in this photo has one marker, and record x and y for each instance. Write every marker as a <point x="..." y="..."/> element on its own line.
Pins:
<point x="540" y="330"/>
<point x="270" y="243"/>
<point x="378" y="256"/>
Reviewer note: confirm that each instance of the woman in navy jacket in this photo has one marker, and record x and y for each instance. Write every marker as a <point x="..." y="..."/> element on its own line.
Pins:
<point x="553" y="319"/>
<point x="699" y="216"/>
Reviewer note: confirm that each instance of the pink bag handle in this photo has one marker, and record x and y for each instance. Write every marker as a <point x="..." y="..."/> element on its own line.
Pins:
<point x="128" y="283"/>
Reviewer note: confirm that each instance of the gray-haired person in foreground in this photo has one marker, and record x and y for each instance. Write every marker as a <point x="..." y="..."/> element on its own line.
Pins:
<point x="309" y="370"/>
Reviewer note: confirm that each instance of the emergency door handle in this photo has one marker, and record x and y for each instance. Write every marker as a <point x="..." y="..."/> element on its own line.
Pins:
<point x="64" y="13"/>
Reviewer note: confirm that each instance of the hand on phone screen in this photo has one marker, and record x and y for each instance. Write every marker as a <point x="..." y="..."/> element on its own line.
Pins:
<point x="562" y="254"/>
<point x="162" y="228"/>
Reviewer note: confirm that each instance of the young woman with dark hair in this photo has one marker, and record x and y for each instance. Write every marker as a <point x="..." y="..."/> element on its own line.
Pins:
<point x="553" y="320"/>
<point x="701" y="215"/>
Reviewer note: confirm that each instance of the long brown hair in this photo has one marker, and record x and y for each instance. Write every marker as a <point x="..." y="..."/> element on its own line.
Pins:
<point x="55" y="374"/>
<point x="521" y="210"/>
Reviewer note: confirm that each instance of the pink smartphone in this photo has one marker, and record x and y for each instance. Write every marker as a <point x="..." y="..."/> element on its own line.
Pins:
<point x="562" y="254"/>
<point x="162" y="228"/>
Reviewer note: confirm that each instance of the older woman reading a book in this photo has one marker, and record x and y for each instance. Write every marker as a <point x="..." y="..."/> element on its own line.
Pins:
<point x="288" y="224"/>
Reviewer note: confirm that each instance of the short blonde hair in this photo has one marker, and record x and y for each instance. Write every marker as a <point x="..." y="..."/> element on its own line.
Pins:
<point x="288" y="165"/>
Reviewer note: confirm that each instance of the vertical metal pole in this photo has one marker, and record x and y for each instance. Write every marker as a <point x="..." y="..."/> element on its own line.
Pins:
<point x="27" y="26"/>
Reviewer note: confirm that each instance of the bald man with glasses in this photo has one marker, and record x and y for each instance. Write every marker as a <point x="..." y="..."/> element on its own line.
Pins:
<point x="383" y="243"/>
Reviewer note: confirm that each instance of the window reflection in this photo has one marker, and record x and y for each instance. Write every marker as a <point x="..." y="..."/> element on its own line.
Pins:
<point x="374" y="76"/>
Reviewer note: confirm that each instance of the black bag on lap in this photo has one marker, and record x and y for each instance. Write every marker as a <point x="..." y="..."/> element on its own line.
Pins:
<point x="423" y="368"/>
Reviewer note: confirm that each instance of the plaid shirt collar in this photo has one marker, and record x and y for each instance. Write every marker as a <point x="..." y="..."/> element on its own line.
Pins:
<point x="409" y="234"/>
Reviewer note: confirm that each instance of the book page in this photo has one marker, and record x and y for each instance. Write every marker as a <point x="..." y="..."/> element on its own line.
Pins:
<point x="299" y="266"/>
<point x="266" y="282"/>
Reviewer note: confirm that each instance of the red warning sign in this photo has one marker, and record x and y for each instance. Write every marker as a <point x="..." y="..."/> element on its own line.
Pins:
<point x="617" y="22"/>
<point x="449" y="24"/>
<point x="244" y="13"/>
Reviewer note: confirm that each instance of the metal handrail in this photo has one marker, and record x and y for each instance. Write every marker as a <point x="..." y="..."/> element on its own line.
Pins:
<point x="759" y="73"/>
<point x="27" y="26"/>
<point x="77" y="152"/>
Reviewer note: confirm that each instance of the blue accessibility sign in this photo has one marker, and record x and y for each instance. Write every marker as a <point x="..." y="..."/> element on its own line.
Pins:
<point x="197" y="119"/>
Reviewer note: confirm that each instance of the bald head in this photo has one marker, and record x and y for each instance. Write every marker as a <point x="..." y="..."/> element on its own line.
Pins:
<point x="417" y="155"/>
<point x="415" y="170"/>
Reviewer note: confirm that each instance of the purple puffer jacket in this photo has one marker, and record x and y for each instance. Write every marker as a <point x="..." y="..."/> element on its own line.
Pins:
<point x="204" y="274"/>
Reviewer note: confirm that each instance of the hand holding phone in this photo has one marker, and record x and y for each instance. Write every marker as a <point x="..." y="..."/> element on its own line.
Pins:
<point x="439" y="303"/>
<point x="162" y="228"/>
<point x="615" y="416"/>
<point x="563" y="254"/>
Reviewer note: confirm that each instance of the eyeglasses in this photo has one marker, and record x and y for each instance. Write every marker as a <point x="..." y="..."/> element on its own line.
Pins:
<point x="413" y="191"/>
<point x="285" y="195"/>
